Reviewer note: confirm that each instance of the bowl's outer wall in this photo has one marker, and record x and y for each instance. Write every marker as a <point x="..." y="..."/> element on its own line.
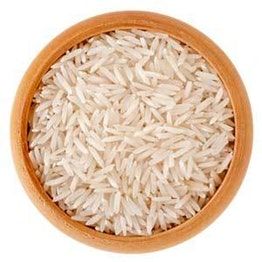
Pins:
<point x="124" y="20"/>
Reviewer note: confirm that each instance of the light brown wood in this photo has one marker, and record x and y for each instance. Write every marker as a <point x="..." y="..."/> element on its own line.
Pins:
<point x="124" y="20"/>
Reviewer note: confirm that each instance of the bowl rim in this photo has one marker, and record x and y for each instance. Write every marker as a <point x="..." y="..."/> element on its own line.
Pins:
<point x="180" y="31"/>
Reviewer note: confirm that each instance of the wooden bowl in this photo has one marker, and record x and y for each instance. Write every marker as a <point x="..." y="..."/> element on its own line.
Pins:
<point x="186" y="34"/>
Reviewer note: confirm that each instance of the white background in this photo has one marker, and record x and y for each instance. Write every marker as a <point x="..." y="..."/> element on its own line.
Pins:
<point x="27" y="26"/>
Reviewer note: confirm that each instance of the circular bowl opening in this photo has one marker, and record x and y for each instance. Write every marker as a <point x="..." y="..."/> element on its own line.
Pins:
<point x="187" y="35"/>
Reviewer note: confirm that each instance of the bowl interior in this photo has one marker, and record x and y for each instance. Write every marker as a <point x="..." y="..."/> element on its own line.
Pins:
<point x="187" y="35"/>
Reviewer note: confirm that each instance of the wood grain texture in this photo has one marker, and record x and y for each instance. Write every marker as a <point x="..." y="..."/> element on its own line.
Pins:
<point x="189" y="36"/>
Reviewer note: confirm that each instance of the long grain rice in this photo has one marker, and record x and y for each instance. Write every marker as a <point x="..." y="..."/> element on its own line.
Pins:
<point x="132" y="132"/>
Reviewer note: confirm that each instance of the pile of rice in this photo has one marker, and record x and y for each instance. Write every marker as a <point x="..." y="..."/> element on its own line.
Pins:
<point x="131" y="132"/>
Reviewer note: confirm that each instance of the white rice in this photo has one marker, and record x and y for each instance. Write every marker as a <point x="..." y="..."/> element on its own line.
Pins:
<point x="131" y="132"/>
